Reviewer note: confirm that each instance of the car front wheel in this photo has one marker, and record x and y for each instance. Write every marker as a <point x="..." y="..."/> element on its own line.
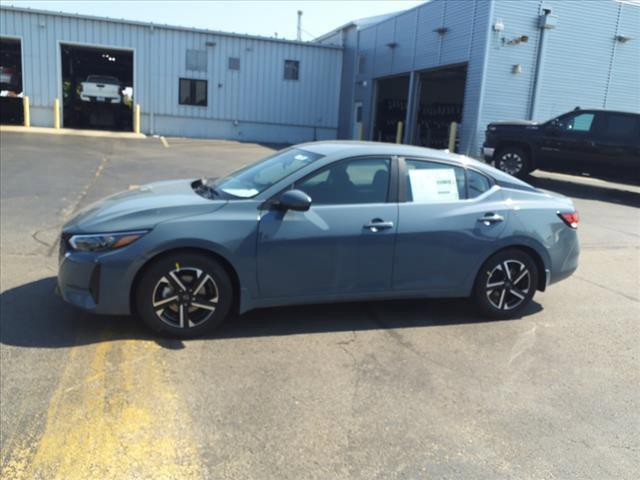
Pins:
<point x="514" y="161"/>
<point x="184" y="295"/>
<point x="506" y="284"/>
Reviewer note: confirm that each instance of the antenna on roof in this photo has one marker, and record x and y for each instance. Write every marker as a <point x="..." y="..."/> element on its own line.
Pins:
<point x="299" y="31"/>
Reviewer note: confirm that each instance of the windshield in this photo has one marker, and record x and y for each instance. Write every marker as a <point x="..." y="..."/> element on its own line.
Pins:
<point x="256" y="178"/>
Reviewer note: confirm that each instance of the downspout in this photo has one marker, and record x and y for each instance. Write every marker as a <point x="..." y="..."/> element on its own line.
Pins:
<point x="483" y="79"/>
<point x="544" y="25"/>
<point x="152" y="120"/>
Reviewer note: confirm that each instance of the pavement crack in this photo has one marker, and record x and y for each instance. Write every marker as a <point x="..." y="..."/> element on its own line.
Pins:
<point x="75" y="205"/>
<point x="609" y="289"/>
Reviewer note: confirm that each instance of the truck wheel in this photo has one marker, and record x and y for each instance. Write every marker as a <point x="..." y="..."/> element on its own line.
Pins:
<point x="184" y="295"/>
<point x="514" y="161"/>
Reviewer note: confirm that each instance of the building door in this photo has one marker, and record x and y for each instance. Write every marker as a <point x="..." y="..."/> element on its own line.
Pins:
<point x="357" y="121"/>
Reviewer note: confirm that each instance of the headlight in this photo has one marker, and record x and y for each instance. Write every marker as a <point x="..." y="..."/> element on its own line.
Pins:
<point x="101" y="242"/>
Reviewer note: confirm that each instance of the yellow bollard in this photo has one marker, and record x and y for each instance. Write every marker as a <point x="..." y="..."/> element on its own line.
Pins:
<point x="399" y="132"/>
<point x="25" y="108"/>
<point x="56" y="113"/>
<point x="453" y="130"/>
<point x="136" y="118"/>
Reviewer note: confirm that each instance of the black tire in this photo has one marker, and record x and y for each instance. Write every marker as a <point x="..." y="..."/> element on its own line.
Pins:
<point x="198" y="313"/>
<point x="514" y="161"/>
<point x="488" y="293"/>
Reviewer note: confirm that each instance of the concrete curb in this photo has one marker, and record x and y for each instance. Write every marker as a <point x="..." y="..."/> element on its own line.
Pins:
<point x="71" y="131"/>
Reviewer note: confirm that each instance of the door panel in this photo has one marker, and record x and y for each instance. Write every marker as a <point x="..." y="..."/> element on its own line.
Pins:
<point x="327" y="250"/>
<point x="439" y="245"/>
<point x="569" y="141"/>
<point x="617" y="141"/>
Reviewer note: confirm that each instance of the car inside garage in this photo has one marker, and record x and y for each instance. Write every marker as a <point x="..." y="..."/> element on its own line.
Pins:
<point x="11" y="111"/>
<point x="97" y="88"/>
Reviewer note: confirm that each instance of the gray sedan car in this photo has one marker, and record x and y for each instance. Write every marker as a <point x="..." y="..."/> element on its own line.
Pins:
<point x="318" y="222"/>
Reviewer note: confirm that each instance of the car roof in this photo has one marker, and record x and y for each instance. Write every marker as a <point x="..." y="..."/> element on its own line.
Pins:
<point x="352" y="148"/>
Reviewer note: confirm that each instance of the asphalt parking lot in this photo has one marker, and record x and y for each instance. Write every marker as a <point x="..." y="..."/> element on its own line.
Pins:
<point x="402" y="389"/>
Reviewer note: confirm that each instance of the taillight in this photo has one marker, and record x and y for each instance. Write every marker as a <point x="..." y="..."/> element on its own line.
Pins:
<point x="571" y="219"/>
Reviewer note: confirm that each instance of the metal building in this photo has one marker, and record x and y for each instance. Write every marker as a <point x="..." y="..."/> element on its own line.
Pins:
<point x="476" y="61"/>
<point x="188" y="82"/>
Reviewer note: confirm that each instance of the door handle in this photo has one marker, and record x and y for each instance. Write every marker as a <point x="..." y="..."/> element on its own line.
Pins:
<point x="490" y="218"/>
<point x="377" y="224"/>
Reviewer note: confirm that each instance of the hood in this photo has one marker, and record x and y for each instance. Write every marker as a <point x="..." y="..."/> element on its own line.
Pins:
<point x="513" y="123"/>
<point x="142" y="208"/>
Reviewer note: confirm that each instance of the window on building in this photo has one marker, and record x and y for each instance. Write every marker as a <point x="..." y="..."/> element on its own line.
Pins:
<point x="432" y="182"/>
<point x="193" y="92"/>
<point x="197" y="60"/>
<point x="291" y="69"/>
<point x="234" y="63"/>
<point x="356" y="181"/>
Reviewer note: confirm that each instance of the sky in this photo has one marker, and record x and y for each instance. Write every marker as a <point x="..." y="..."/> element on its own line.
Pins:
<point x="253" y="17"/>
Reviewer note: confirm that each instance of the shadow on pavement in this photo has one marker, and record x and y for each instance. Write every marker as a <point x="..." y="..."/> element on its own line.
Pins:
<point x="587" y="192"/>
<point x="33" y="316"/>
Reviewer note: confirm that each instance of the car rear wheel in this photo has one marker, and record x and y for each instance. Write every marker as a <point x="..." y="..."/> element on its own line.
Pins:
<point x="514" y="161"/>
<point x="184" y="295"/>
<point x="506" y="284"/>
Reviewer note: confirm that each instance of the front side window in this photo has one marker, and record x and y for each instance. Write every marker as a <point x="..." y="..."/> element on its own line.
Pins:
<point x="580" y="122"/>
<point x="193" y="92"/>
<point x="356" y="181"/>
<point x="432" y="182"/>
<point x="291" y="69"/>
<point x="254" y="179"/>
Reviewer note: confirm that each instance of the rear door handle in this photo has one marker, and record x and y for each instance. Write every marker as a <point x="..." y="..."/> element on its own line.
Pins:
<point x="490" y="218"/>
<point x="377" y="225"/>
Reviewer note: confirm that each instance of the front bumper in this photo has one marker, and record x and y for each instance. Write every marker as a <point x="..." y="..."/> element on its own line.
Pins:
<point x="97" y="282"/>
<point x="487" y="153"/>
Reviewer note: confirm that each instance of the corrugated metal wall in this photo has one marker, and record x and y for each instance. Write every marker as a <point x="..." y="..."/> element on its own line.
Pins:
<point x="581" y="62"/>
<point x="256" y="96"/>
<point x="417" y="46"/>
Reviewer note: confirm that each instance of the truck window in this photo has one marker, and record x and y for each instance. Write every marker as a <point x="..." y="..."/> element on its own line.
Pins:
<point x="620" y="126"/>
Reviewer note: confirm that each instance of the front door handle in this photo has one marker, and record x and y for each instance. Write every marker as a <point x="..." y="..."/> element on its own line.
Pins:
<point x="377" y="225"/>
<point x="490" y="218"/>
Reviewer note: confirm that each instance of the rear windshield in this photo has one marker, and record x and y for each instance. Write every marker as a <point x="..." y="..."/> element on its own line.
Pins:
<point x="102" y="79"/>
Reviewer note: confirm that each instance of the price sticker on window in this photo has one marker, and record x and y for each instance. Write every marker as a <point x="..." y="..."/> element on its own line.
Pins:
<point x="433" y="185"/>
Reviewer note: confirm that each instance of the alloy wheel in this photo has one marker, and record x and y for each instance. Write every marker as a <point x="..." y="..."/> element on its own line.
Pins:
<point x="185" y="297"/>
<point x="511" y="163"/>
<point x="508" y="284"/>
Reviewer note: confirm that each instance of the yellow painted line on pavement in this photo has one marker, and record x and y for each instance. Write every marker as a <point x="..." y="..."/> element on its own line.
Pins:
<point x="114" y="415"/>
<point x="164" y="142"/>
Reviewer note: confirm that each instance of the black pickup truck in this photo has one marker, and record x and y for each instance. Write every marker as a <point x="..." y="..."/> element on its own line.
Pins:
<point x="587" y="140"/>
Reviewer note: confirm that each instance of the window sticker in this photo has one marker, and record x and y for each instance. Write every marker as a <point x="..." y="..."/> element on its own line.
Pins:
<point x="433" y="185"/>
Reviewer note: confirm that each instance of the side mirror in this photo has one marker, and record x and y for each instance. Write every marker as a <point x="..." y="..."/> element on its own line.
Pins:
<point x="553" y="128"/>
<point x="295" y="200"/>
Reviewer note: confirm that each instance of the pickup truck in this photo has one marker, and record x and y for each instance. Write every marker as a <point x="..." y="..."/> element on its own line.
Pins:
<point x="586" y="139"/>
<point x="100" y="88"/>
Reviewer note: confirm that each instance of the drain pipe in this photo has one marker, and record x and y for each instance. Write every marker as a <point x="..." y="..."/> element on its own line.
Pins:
<point x="546" y="22"/>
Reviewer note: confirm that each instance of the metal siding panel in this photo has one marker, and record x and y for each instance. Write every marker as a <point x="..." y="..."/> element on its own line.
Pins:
<point x="405" y="38"/>
<point x="384" y="54"/>
<point x="428" y="41"/>
<point x="624" y="83"/>
<point x="459" y="21"/>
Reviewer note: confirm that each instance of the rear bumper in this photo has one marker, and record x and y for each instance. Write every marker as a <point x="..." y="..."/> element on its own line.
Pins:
<point x="565" y="259"/>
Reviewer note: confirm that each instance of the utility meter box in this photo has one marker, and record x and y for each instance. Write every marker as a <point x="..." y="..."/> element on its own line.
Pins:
<point x="548" y="21"/>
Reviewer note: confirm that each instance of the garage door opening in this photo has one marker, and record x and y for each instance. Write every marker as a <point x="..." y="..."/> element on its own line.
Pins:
<point x="391" y="108"/>
<point x="97" y="88"/>
<point x="11" y="111"/>
<point x="440" y="102"/>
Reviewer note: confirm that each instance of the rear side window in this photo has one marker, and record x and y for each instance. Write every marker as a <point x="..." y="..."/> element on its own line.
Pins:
<point x="620" y="126"/>
<point x="477" y="184"/>
<point x="432" y="182"/>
